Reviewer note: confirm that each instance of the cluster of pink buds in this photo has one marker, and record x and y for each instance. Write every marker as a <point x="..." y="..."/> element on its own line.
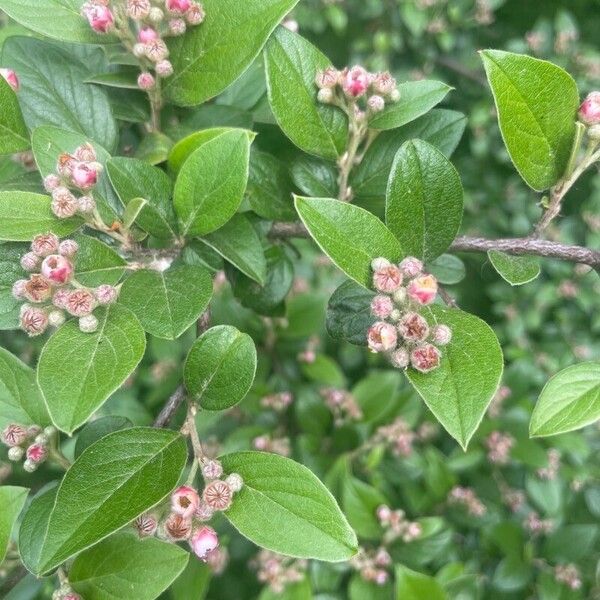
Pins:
<point x="266" y="443"/>
<point x="398" y="436"/>
<point x="536" y="526"/>
<point x="51" y="292"/>
<point x="149" y="22"/>
<point x="467" y="498"/>
<point x="309" y="354"/>
<point x="402" y="332"/>
<point x="29" y="443"/>
<point x="342" y="404"/>
<point x="569" y="575"/>
<point x="372" y="565"/>
<point x="347" y="87"/>
<point x="499" y="446"/>
<point x="11" y="78"/>
<point x="277" y="402"/>
<point x="589" y="115"/>
<point x="65" y="592"/>
<point x="278" y="571"/>
<point x="396" y="525"/>
<point x="72" y="184"/>
<point x="551" y="471"/>
<point x="514" y="499"/>
<point x="498" y="400"/>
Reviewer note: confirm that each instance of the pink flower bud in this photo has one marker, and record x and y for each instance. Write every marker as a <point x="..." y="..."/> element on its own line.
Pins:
<point x="11" y="78"/>
<point x="30" y="261"/>
<point x="382" y="337"/>
<point x="261" y="442"/>
<point x="139" y="50"/>
<point x="138" y="9"/>
<point x="57" y="269"/>
<point x="80" y="303"/>
<point x="64" y="204"/>
<point x="204" y="512"/>
<point x="68" y="248"/>
<point x="413" y="327"/>
<point x="29" y="466"/>
<point x="51" y="182"/>
<point x="395" y="95"/>
<point x="177" y="26"/>
<point x="328" y="78"/>
<point x="195" y="14"/>
<point x="376" y="104"/>
<point x="178" y="6"/>
<point x="356" y="82"/>
<point x="37" y="289"/>
<point x="156" y="15"/>
<point x="56" y="318"/>
<point x="64" y="164"/>
<point x="217" y="494"/>
<point x="156" y="50"/>
<point x="383" y="558"/>
<point x="425" y="358"/>
<point x="384" y="513"/>
<point x="86" y="204"/>
<point x="184" y="501"/>
<point x="382" y="307"/>
<point x="381" y="577"/>
<point x="99" y="17"/>
<point x="36" y="453"/>
<point x="45" y="244"/>
<point x="15" y="453"/>
<point x="411" y="266"/>
<point x="88" y="324"/>
<point x="589" y="111"/>
<point x="71" y="596"/>
<point x="235" y="482"/>
<point x="204" y="540"/>
<point x="388" y="279"/>
<point x="326" y="96"/>
<point x="212" y="469"/>
<point x="384" y="83"/>
<point x="85" y="153"/>
<point x="377" y="264"/>
<point x="61" y="297"/>
<point x="84" y="176"/>
<point x="147" y="35"/>
<point x="164" y="68"/>
<point x="13" y="435"/>
<point x="146" y="525"/>
<point x="400" y="358"/>
<point x="178" y="527"/>
<point x="146" y="81"/>
<point x="442" y="335"/>
<point x="423" y="289"/>
<point x="34" y="321"/>
<point x="18" y="289"/>
<point x="106" y="294"/>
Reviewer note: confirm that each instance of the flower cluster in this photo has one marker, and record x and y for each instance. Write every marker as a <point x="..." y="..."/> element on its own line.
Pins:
<point x="396" y="525"/>
<point x="569" y="575"/>
<point x="345" y="88"/>
<point x="589" y="115"/>
<point x="551" y="471"/>
<point x="265" y="443"/>
<point x="51" y="292"/>
<point x="277" y="402"/>
<point x="30" y="443"/>
<point x="11" y="78"/>
<point x="372" y="565"/>
<point x="342" y="404"/>
<point x="499" y="446"/>
<point x="65" y="592"/>
<point x="77" y="172"/>
<point x="278" y="571"/>
<point x="467" y="498"/>
<point x="537" y="526"/>
<point x="401" y="331"/>
<point x="143" y="26"/>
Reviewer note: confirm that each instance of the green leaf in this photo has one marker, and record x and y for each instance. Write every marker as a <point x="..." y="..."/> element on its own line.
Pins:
<point x="349" y="313"/>
<point x="14" y="136"/>
<point x="238" y="243"/>
<point x="314" y="177"/>
<point x="220" y="367"/>
<point x="132" y="211"/>
<point x="23" y="215"/>
<point x="359" y="589"/>
<point x="517" y="270"/>
<point x="298" y="590"/>
<point x="537" y="106"/>
<point x="110" y="484"/>
<point x="460" y="390"/>
<point x="424" y="202"/>
<point x="324" y="370"/>
<point x="375" y="394"/>
<point x="20" y="398"/>
<point x="212" y="56"/>
<point x="193" y="583"/>
<point x="411" y="585"/>
<point x="291" y="64"/>
<point x="167" y="303"/>
<point x="416" y="98"/>
<point x="97" y="429"/>
<point x="154" y="148"/>
<point x="124" y="566"/>
<point x="351" y="236"/>
<point x="134" y="178"/>
<point x="96" y="365"/>
<point x="54" y="92"/>
<point x="210" y="186"/>
<point x="16" y="177"/>
<point x="12" y="499"/>
<point x="284" y="507"/>
<point x="59" y="19"/>
<point x="360" y="502"/>
<point x="447" y="269"/>
<point x="570" y="400"/>
<point x="96" y="263"/>
<point x="10" y="271"/>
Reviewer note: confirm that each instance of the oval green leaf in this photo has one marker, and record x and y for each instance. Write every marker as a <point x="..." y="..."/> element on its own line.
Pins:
<point x="516" y="270"/>
<point x="96" y="263"/>
<point x="14" y="136"/>
<point x="12" y="499"/>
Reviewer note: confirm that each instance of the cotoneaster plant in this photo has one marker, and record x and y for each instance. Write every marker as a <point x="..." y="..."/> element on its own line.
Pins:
<point x="137" y="201"/>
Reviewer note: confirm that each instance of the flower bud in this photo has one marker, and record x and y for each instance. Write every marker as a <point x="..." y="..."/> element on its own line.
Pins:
<point x="376" y="104"/>
<point x="425" y="358"/>
<point x="442" y="335"/>
<point x="61" y="298"/>
<point x="383" y="558"/>
<point x="139" y="50"/>
<point x="235" y="482"/>
<point x="37" y="289"/>
<point x="64" y="164"/>
<point x="13" y="435"/>
<point x="146" y="525"/>
<point x="146" y="81"/>
<point x="50" y="431"/>
<point x="413" y="327"/>
<point x="147" y="35"/>
<point x="41" y="439"/>
<point x="217" y="494"/>
<point x="68" y="248"/>
<point x="33" y="320"/>
<point x="57" y="269"/>
<point x="99" y="17"/>
<point x="18" y="289"/>
<point x="204" y="512"/>
<point x="85" y="153"/>
<point x="138" y="9"/>
<point x="30" y="261"/>
<point x="56" y="318"/>
<point x="328" y="78"/>
<point x="212" y="469"/>
<point x="384" y="83"/>
<point x="84" y="175"/>
<point x="164" y="68"/>
<point x="33" y="430"/>
<point x="326" y="96"/>
<point x="384" y="513"/>
<point x="178" y="6"/>
<point x="156" y="15"/>
<point x="381" y="577"/>
<point x="156" y="50"/>
<point x="106" y="294"/>
<point x="388" y="279"/>
<point x="203" y="541"/>
<point x="16" y="453"/>
<point x="45" y="244"/>
<point x="51" y="182"/>
<point x="291" y="24"/>
<point x="11" y="78"/>
<point x="88" y="324"/>
<point x="380" y="263"/>
<point x="594" y="132"/>
<point x="395" y="95"/>
<point x="423" y="289"/>
<point x="411" y="266"/>
<point x="177" y="27"/>
<point x="195" y="14"/>
<point x="36" y="453"/>
<point x="184" y="501"/>
<point x="400" y="358"/>
<point x="80" y="303"/>
<point x="589" y="111"/>
<point x="30" y="466"/>
<point x="355" y="82"/>
<point x="178" y="527"/>
<point x="64" y="204"/>
<point x="86" y="205"/>
<point x="382" y="337"/>
<point x="382" y="307"/>
<point x="71" y="596"/>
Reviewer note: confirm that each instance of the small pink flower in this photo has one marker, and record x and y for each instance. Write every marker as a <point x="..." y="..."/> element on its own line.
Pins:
<point x="217" y="494"/>
<point x="146" y="81"/>
<point x="384" y="513"/>
<point x="400" y="358"/>
<point x="411" y="266"/>
<point x="36" y="453"/>
<point x="85" y="175"/>
<point x="51" y="182"/>
<point x="30" y="261"/>
<point x="261" y="442"/>
<point x="204" y="512"/>
<point x="85" y="153"/>
<point x="13" y="435"/>
<point x="177" y="27"/>
<point x="204" y="540"/>
<point x="381" y="577"/>
<point x="68" y="248"/>
<point x="57" y="269"/>
<point x="383" y="558"/>
<point x="156" y="50"/>
<point x="45" y="244"/>
<point x="356" y="82"/>
<point x="413" y="327"/>
<point x="423" y="289"/>
<point x="34" y="321"/>
<point x="178" y="6"/>
<point x="184" y="501"/>
<point x="147" y="35"/>
<point x="106" y="294"/>
<point x="37" y="289"/>
<point x="80" y="303"/>
<point x="18" y="289"/>
<point x="589" y="111"/>
<point x="387" y="279"/>
<point x="384" y="83"/>
<point x="61" y="298"/>
<point x="328" y="78"/>
<point x="11" y="78"/>
<point x="164" y="68"/>
<point x="442" y="335"/>
<point x="138" y="9"/>
<point x="64" y="204"/>
<point x="195" y="14"/>
<point x="382" y="337"/>
<point x="382" y="307"/>
<point x="212" y="469"/>
<point x="178" y="527"/>
<point x="376" y="104"/>
<point x="99" y="17"/>
<point x="425" y="358"/>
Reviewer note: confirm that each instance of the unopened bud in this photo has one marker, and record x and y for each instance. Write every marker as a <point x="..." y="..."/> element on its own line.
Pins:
<point x="164" y="68"/>
<point x="139" y="50"/>
<point x="156" y="50"/>
<point x="355" y="82"/>
<point x="442" y="335"/>
<point x="68" y="248"/>
<point x="18" y="289"/>
<point x="177" y="27"/>
<point x="45" y="244"/>
<point x="85" y="153"/>
<point x="138" y="9"/>
<point x="146" y="525"/>
<point x="594" y="132"/>
<point x="13" y="435"/>
<point x="57" y="269"/>
<point x="217" y="494"/>
<point x="376" y="104"/>
<point x="328" y="78"/>
<point x="235" y="482"/>
<point x="37" y="453"/>
<point x="30" y="261"/>
<point x="51" y="182"/>
<point x="56" y="318"/>
<point x="61" y="297"/>
<point x="589" y="111"/>
<point x="156" y="15"/>
<point x="388" y="279"/>
<point x="106" y="294"/>
<point x="384" y="84"/>
<point x="50" y="431"/>
<point x="425" y="358"/>
<point x="30" y="466"/>
<point x="400" y="358"/>
<point x="88" y="324"/>
<point x="146" y="81"/>
<point x="86" y="204"/>
<point x="80" y="303"/>
<point x="380" y="263"/>
<point x="85" y="175"/>
<point x="382" y="307"/>
<point x="64" y="204"/>
<point x="11" y="78"/>
<point x="195" y="14"/>
<point x="99" y="17"/>
<point x="411" y="266"/>
<point x="326" y="96"/>
<point x="178" y="6"/>
<point x="204" y="512"/>
<point x="395" y="95"/>
<point x="203" y="541"/>
<point x="147" y="35"/>
<point x="212" y="469"/>
<point x="16" y="453"/>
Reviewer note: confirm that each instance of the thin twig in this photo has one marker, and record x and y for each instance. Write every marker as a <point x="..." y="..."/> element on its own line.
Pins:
<point x="170" y="408"/>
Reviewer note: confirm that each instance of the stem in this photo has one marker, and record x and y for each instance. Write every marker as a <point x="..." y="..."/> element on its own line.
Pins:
<point x="170" y="408"/>
<point x="190" y="429"/>
<point x="59" y="458"/>
<point x="358" y="131"/>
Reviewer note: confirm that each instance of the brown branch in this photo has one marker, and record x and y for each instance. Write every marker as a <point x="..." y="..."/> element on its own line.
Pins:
<point x="170" y="408"/>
